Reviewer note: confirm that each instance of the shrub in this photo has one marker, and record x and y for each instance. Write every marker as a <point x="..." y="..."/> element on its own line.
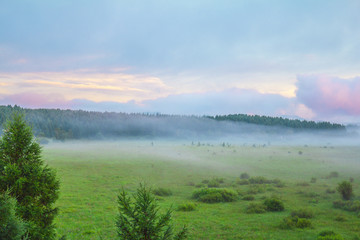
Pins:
<point x="288" y="223"/>
<point x="256" y="208"/>
<point x="333" y="175"/>
<point x="190" y="184"/>
<point x="254" y="189"/>
<point x="303" y="223"/>
<point x="200" y="185"/>
<point x="303" y="184"/>
<point x="214" y="195"/>
<point x="345" y="189"/>
<point x="295" y="222"/>
<point x="162" y="192"/>
<point x="242" y="182"/>
<point x="244" y="176"/>
<point x="313" y="180"/>
<point x="205" y="181"/>
<point x="278" y="183"/>
<point x="340" y="218"/>
<point x="11" y="227"/>
<point x="330" y="191"/>
<point x="213" y="183"/>
<point x="187" y="207"/>
<point x="274" y="205"/>
<point x="139" y="218"/>
<point x="248" y="197"/>
<point x="258" y="180"/>
<point x="302" y="213"/>
<point x="329" y="235"/>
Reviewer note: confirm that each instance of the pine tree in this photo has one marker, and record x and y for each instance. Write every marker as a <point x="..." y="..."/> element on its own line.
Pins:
<point x="11" y="227"/>
<point x="33" y="184"/>
<point x="139" y="219"/>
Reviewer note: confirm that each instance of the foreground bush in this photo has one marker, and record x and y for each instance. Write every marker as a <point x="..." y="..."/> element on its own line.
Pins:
<point x="215" y="195"/>
<point x="274" y="205"/>
<point x="256" y="208"/>
<point x="302" y="213"/>
<point x="162" y="192"/>
<point x="329" y="235"/>
<point x="258" y="180"/>
<point x="139" y="218"/>
<point x="345" y="189"/>
<point x="351" y="206"/>
<point x="295" y="222"/>
<point x="187" y="207"/>
<point x="11" y="227"/>
<point x="244" y="176"/>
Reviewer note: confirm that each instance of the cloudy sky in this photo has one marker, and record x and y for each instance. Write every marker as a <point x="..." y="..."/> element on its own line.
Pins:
<point x="269" y="57"/>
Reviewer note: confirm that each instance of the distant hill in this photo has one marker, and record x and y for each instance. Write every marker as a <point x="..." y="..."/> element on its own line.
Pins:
<point x="77" y="124"/>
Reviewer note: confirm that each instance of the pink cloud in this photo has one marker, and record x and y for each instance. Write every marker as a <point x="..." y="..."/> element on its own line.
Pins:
<point x="329" y="95"/>
<point x="36" y="100"/>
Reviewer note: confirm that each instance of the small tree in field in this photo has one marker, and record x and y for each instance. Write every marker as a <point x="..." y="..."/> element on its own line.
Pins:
<point x="33" y="185"/>
<point x="139" y="219"/>
<point x="345" y="189"/>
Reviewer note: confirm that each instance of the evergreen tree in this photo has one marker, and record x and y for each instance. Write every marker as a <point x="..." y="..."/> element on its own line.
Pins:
<point x="139" y="219"/>
<point x="33" y="184"/>
<point x="11" y="227"/>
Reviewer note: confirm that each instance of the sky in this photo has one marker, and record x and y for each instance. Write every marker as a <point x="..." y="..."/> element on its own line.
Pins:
<point x="199" y="57"/>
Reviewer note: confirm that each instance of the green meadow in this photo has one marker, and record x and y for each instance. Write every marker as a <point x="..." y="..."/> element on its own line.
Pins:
<point x="91" y="174"/>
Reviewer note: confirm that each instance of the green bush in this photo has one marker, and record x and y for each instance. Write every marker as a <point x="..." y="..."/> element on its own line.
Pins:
<point x="213" y="183"/>
<point x="162" y="192"/>
<point x="303" y="223"/>
<point x="258" y="180"/>
<point x="330" y="191"/>
<point x="345" y="189"/>
<point x="215" y="195"/>
<point x="329" y="235"/>
<point x="351" y="206"/>
<point x="242" y="182"/>
<point x="295" y="222"/>
<point x="256" y="208"/>
<point x="139" y="218"/>
<point x="333" y="175"/>
<point x="274" y="205"/>
<point x="244" y="176"/>
<point x="200" y="185"/>
<point x="340" y="218"/>
<point x="255" y="189"/>
<point x="302" y="213"/>
<point x="303" y="184"/>
<point x="248" y="197"/>
<point x="278" y="183"/>
<point x="187" y="207"/>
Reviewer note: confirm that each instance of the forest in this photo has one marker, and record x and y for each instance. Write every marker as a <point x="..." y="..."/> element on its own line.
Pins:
<point x="78" y="124"/>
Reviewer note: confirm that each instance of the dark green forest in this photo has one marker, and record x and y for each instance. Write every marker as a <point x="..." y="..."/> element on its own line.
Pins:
<point x="78" y="124"/>
<point x="279" y="121"/>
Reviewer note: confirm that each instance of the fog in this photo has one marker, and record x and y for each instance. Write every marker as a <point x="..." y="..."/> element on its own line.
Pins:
<point x="200" y="130"/>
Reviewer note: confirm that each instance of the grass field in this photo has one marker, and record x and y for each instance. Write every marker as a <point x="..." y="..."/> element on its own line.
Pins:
<point x="92" y="173"/>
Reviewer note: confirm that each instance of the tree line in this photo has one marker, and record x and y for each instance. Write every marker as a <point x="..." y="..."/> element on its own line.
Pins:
<point x="279" y="121"/>
<point x="78" y="124"/>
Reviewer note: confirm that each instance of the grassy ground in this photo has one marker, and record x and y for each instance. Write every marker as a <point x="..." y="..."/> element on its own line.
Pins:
<point x="92" y="173"/>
